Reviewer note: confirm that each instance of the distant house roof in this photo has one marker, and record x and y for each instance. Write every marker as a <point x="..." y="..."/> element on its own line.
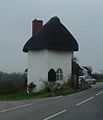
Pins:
<point x="88" y="68"/>
<point x="75" y="67"/>
<point x="53" y="35"/>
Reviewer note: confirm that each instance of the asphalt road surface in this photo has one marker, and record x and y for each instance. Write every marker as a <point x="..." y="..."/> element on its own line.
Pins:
<point x="86" y="105"/>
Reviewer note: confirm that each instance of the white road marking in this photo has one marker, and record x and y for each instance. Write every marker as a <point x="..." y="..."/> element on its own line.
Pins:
<point x="55" y="115"/>
<point x="99" y="93"/>
<point x="22" y="106"/>
<point x="84" y="101"/>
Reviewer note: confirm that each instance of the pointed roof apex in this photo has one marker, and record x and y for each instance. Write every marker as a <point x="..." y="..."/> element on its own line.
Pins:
<point x="55" y="18"/>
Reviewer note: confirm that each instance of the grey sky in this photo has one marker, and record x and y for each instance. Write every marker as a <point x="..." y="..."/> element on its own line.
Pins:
<point x="83" y="18"/>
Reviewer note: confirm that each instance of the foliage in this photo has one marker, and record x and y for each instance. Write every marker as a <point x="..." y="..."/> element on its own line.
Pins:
<point x="11" y="76"/>
<point x="99" y="80"/>
<point x="55" y="86"/>
<point x="12" y="83"/>
<point x="97" y="76"/>
<point x="49" y="86"/>
<point x="23" y="95"/>
<point x="30" y="87"/>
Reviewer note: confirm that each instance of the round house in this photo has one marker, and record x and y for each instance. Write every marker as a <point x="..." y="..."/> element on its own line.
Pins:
<point x="50" y="52"/>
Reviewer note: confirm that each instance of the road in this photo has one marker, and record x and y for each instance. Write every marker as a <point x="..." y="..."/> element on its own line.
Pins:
<point x="86" y="105"/>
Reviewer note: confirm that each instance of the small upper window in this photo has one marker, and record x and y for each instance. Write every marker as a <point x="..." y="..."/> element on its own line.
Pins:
<point x="59" y="74"/>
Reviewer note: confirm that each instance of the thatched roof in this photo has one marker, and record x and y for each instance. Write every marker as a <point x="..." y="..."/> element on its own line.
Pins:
<point x="53" y="35"/>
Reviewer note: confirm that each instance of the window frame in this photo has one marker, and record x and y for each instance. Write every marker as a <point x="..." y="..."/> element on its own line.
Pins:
<point x="59" y="74"/>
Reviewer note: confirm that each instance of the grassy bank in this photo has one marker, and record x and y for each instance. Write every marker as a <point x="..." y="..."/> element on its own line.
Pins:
<point x="24" y="95"/>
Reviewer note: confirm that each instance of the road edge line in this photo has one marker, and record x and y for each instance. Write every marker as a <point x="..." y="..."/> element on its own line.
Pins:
<point x="52" y="116"/>
<point x="22" y="106"/>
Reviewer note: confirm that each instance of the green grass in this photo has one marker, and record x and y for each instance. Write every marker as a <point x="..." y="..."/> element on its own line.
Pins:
<point x="24" y="95"/>
<point x="99" y="80"/>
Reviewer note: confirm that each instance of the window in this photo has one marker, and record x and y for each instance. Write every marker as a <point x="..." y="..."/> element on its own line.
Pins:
<point x="59" y="74"/>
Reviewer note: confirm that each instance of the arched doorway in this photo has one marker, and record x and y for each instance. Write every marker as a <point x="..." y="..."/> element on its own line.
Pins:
<point x="51" y="75"/>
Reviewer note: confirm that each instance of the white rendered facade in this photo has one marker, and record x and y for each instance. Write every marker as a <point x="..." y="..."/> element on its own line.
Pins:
<point x="41" y="61"/>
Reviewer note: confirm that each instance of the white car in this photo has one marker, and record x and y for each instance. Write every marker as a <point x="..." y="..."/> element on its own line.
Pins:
<point x="87" y="79"/>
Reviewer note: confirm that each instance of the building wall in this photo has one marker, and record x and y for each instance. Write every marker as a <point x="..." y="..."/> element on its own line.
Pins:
<point x="60" y="59"/>
<point x="40" y="62"/>
<point x="37" y="66"/>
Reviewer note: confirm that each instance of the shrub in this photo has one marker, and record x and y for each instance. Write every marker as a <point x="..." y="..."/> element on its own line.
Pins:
<point x="12" y="86"/>
<point x="7" y="87"/>
<point x="54" y="86"/>
<point x="30" y="87"/>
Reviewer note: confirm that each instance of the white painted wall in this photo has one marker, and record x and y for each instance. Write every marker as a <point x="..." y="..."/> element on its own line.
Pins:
<point x="60" y="59"/>
<point x="37" y="66"/>
<point x="41" y="61"/>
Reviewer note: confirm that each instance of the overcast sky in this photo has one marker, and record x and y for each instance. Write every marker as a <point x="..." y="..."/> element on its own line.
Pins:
<point x="83" y="18"/>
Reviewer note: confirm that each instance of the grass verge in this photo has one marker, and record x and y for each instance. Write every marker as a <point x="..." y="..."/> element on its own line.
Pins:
<point x="24" y="95"/>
